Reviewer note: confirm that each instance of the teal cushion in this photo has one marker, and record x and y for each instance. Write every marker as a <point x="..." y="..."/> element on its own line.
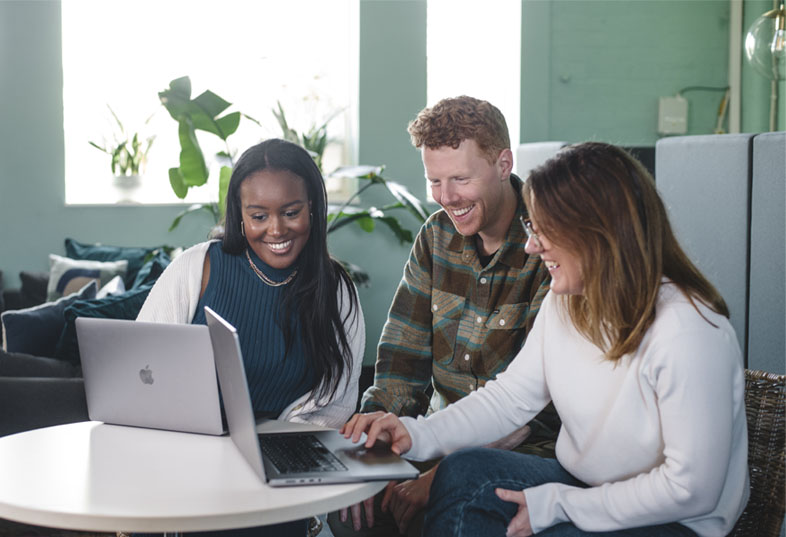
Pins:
<point x="122" y="306"/>
<point x="36" y="330"/>
<point x="152" y="269"/>
<point x="136" y="256"/>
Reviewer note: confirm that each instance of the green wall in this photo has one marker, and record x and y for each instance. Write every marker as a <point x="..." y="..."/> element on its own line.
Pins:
<point x="595" y="69"/>
<point x="590" y="69"/>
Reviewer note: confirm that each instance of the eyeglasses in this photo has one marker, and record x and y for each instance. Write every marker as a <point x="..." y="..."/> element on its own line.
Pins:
<point x="530" y="231"/>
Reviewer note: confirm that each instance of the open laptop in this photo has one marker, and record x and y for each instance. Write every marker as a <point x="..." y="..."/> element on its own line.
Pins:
<point x="300" y="458"/>
<point x="154" y="375"/>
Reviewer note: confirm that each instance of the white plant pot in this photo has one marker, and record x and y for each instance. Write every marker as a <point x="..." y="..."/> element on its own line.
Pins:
<point x="126" y="186"/>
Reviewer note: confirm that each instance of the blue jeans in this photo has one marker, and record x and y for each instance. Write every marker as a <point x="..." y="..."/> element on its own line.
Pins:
<point x="462" y="501"/>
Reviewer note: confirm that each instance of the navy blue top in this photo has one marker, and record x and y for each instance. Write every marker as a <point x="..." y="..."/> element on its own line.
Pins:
<point x="235" y="292"/>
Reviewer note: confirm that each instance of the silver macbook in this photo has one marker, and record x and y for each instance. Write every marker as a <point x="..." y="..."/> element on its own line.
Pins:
<point x="154" y="375"/>
<point x="301" y="458"/>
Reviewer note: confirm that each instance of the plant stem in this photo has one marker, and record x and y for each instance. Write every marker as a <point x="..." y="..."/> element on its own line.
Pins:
<point x="346" y="203"/>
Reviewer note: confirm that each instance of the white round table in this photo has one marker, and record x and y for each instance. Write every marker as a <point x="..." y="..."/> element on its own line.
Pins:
<point x="96" y="477"/>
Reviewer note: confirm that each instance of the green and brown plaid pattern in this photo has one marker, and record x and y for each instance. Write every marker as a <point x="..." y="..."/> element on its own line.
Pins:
<point x="454" y="320"/>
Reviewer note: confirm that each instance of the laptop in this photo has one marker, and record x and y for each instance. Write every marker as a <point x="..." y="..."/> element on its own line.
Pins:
<point x="298" y="458"/>
<point x="155" y="375"/>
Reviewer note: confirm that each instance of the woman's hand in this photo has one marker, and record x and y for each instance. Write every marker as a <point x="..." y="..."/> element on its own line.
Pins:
<point x="519" y="525"/>
<point x="385" y="427"/>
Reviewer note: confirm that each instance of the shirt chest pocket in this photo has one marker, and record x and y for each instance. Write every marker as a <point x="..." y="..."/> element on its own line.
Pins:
<point x="446" y="311"/>
<point x="508" y="317"/>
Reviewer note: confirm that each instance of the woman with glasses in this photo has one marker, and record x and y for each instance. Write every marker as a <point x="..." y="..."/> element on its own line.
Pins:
<point x="634" y="347"/>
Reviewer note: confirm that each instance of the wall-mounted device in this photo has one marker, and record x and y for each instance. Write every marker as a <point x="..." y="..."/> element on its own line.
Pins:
<point x="672" y="115"/>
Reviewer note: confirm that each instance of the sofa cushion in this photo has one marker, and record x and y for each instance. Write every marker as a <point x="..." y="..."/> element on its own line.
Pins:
<point x="122" y="306"/>
<point x="33" y="288"/>
<point x="136" y="256"/>
<point x="37" y="330"/>
<point x="66" y="275"/>
<point x="152" y="269"/>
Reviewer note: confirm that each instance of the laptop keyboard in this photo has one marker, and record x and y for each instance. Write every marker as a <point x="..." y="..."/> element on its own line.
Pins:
<point x="299" y="453"/>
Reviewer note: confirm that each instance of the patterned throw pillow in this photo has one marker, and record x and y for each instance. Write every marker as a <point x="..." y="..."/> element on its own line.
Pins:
<point x="67" y="275"/>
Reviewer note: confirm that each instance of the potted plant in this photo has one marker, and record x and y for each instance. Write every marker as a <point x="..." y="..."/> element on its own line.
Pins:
<point x="204" y="113"/>
<point x="128" y="153"/>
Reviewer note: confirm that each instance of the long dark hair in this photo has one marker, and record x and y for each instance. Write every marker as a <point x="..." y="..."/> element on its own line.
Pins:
<point x="313" y="294"/>
<point x="600" y="202"/>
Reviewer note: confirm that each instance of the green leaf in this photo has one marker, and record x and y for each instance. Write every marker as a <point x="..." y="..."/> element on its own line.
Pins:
<point x="366" y="223"/>
<point x="178" y="185"/>
<point x="182" y="86"/>
<point x="191" y="209"/>
<point x="211" y="104"/>
<point x="358" y="275"/>
<point x="192" y="162"/>
<point x="177" y="98"/>
<point x="411" y="202"/>
<point x="223" y="186"/>
<point x="359" y="172"/>
<point x="404" y="236"/>
<point x="228" y="124"/>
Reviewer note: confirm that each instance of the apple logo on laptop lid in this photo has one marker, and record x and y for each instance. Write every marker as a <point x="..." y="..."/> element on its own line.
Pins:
<point x="146" y="375"/>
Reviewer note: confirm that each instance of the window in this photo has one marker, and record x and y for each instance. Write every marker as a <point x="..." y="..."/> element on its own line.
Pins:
<point x="121" y="53"/>
<point x="476" y="51"/>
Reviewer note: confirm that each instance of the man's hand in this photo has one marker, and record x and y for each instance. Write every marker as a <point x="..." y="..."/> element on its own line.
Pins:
<point x="519" y="525"/>
<point x="405" y="500"/>
<point x="368" y="506"/>
<point x="382" y="426"/>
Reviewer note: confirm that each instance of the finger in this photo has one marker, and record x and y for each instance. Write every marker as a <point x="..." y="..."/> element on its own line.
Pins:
<point x="356" y="520"/>
<point x="369" y="506"/>
<point x="405" y="517"/>
<point x="382" y="429"/>
<point x="342" y="514"/>
<point x="363" y="423"/>
<point x="387" y="496"/>
<point x="348" y="426"/>
<point x="515" y="496"/>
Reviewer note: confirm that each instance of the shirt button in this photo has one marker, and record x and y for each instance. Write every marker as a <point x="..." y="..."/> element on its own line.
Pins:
<point x="483" y="280"/>
<point x="466" y="357"/>
<point x="435" y="307"/>
<point x="479" y="319"/>
<point x="502" y="322"/>
<point x="471" y="387"/>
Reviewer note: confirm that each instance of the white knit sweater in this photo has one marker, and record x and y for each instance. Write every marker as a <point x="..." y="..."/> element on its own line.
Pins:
<point x="174" y="299"/>
<point x="659" y="436"/>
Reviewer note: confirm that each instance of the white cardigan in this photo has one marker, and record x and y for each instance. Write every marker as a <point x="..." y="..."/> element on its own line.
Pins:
<point x="174" y="299"/>
<point x="659" y="436"/>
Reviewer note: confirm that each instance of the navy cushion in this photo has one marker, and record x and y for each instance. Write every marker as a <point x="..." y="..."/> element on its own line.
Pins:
<point x="123" y="306"/>
<point x="36" y="330"/>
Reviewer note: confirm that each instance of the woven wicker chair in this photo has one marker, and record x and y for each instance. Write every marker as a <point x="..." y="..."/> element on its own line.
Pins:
<point x="765" y="408"/>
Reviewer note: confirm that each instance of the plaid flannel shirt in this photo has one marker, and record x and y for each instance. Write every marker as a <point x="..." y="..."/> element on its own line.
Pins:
<point x="453" y="322"/>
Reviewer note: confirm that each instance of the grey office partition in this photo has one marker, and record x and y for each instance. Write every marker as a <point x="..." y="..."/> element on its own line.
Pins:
<point x="705" y="183"/>
<point x="767" y="314"/>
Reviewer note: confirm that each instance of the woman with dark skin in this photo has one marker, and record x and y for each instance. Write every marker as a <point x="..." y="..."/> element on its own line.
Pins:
<point x="270" y="275"/>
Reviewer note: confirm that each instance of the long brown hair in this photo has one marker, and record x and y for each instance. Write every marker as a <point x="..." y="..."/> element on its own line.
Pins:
<point x="600" y="202"/>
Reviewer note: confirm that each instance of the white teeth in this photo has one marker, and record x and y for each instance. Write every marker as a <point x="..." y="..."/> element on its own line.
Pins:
<point x="279" y="245"/>
<point x="551" y="265"/>
<point x="462" y="212"/>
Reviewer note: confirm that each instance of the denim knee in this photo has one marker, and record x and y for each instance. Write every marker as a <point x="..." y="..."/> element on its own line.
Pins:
<point x="458" y="471"/>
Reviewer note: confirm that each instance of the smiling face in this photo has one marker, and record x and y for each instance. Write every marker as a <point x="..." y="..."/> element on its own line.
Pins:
<point x="563" y="264"/>
<point x="275" y="208"/>
<point x="476" y="194"/>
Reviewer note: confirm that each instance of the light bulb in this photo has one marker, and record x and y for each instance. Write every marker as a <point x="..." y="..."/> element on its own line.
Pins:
<point x="765" y="44"/>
